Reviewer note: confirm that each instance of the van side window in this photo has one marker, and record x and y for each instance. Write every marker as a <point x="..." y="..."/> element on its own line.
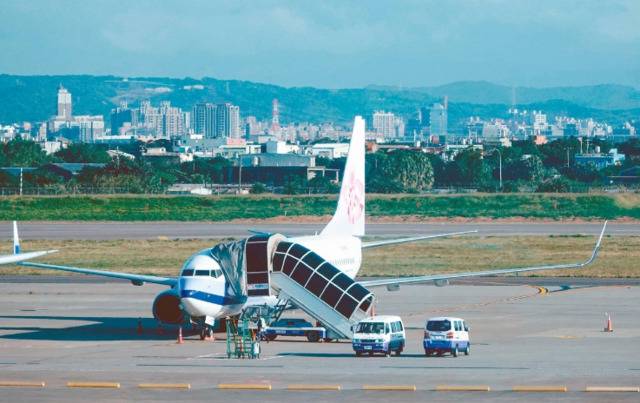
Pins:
<point x="386" y="328"/>
<point x="400" y="326"/>
<point x="458" y="327"/>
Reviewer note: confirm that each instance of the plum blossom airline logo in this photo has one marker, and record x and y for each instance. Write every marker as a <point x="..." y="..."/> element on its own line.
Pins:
<point x="355" y="199"/>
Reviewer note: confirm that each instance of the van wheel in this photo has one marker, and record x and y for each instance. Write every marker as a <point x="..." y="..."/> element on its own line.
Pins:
<point x="454" y="351"/>
<point x="387" y="353"/>
<point x="370" y="353"/>
<point x="358" y="353"/>
<point x="427" y="353"/>
<point x="467" y="350"/>
<point x="398" y="352"/>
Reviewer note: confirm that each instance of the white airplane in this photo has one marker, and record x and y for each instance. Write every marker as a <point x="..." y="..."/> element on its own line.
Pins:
<point x="18" y="255"/>
<point x="224" y="280"/>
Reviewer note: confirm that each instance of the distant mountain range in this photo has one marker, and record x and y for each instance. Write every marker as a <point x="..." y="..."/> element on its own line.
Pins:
<point x="33" y="98"/>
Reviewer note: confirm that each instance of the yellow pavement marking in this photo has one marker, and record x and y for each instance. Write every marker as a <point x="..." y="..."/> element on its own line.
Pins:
<point x="612" y="389"/>
<point x="462" y="388"/>
<point x="408" y="388"/>
<point x="522" y="388"/>
<point x="254" y="386"/>
<point x="164" y="386"/>
<point x="23" y="384"/>
<point x="314" y="387"/>
<point x="113" y="385"/>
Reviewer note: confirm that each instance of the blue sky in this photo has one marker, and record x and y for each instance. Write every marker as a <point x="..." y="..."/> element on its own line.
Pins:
<point x="329" y="43"/>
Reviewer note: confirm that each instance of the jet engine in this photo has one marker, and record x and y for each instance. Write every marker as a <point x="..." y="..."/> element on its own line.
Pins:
<point x="167" y="309"/>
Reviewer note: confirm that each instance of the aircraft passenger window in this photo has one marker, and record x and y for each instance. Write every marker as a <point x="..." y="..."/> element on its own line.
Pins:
<point x="202" y="273"/>
<point x="187" y="273"/>
<point x="342" y="281"/>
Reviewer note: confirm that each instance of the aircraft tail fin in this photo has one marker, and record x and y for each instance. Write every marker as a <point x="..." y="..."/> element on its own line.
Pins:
<point x="16" y="239"/>
<point x="349" y="216"/>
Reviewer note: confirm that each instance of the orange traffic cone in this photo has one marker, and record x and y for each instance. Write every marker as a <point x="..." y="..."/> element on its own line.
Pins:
<point x="609" y="327"/>
<point x="180" y="341"/>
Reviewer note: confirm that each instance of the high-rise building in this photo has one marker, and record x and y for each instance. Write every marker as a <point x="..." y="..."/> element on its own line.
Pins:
<point x="123" y="119"/>
<point x="424" y="117"/>
<point x="438" y="120"/>
<point x="384" y="124"/>
<point x="89" y="127"/>
<point x="200" y="117"/>
<point x="64" y="104"/>
<point x="227" y="122"/>
<point x="172" y="120"/>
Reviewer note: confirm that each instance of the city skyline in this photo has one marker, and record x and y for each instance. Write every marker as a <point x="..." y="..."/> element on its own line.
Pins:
<point x="329" y="45"/>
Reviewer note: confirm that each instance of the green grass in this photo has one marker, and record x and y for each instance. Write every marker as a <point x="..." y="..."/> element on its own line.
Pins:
<point x="618" y="258"/>
<point x="224" y="208"/>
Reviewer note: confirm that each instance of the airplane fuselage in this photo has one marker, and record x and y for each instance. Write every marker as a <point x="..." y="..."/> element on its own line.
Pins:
<point x="202" y="285"/>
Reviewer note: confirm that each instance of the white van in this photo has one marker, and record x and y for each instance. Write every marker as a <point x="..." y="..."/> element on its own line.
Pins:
<point x="446" y="335"/>
<point x="379" y="334"/>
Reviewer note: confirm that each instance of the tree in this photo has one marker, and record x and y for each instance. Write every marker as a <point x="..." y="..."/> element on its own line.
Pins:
<point x="24" y="153"/>
<point x="258" y="188"/>
<point x="83" y="152"/>
<point x="399" y="171"/>
<point x="470" y="169"/>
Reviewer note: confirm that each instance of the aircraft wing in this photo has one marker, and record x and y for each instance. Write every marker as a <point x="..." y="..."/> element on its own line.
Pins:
<point x="136" y="279"/>
<point x="18" y="255"/>
<point x="437" y="277"/>
<point x="375" y="244"/>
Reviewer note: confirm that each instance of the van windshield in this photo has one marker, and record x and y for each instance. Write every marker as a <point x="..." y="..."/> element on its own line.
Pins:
<point x="371" y="327"/>
<point x="439" y="325"/>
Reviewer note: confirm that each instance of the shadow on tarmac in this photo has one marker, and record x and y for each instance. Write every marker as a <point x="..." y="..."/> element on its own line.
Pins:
<point x="103" y="329"/>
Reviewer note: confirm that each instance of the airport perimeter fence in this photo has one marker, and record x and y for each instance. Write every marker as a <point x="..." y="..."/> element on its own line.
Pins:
<point x="246" y="189"/>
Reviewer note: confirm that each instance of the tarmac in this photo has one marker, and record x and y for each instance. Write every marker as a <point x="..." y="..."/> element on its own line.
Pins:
<point x="523" y="334"/>
<point x="194" y="230"/>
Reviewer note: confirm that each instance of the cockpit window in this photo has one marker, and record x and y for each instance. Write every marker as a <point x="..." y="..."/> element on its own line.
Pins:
<point x="202" y="273"/>
<point x="216" y="273"/>
<point x="187" y="273"/>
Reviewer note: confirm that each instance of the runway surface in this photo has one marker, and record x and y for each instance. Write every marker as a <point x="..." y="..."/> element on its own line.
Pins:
<point x="192" y="230"/>
<point x="58" y="332"/>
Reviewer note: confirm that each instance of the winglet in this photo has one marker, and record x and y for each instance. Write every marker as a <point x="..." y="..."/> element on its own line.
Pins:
<point x="596" y="249"/>
<point x="16" y="239"/>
